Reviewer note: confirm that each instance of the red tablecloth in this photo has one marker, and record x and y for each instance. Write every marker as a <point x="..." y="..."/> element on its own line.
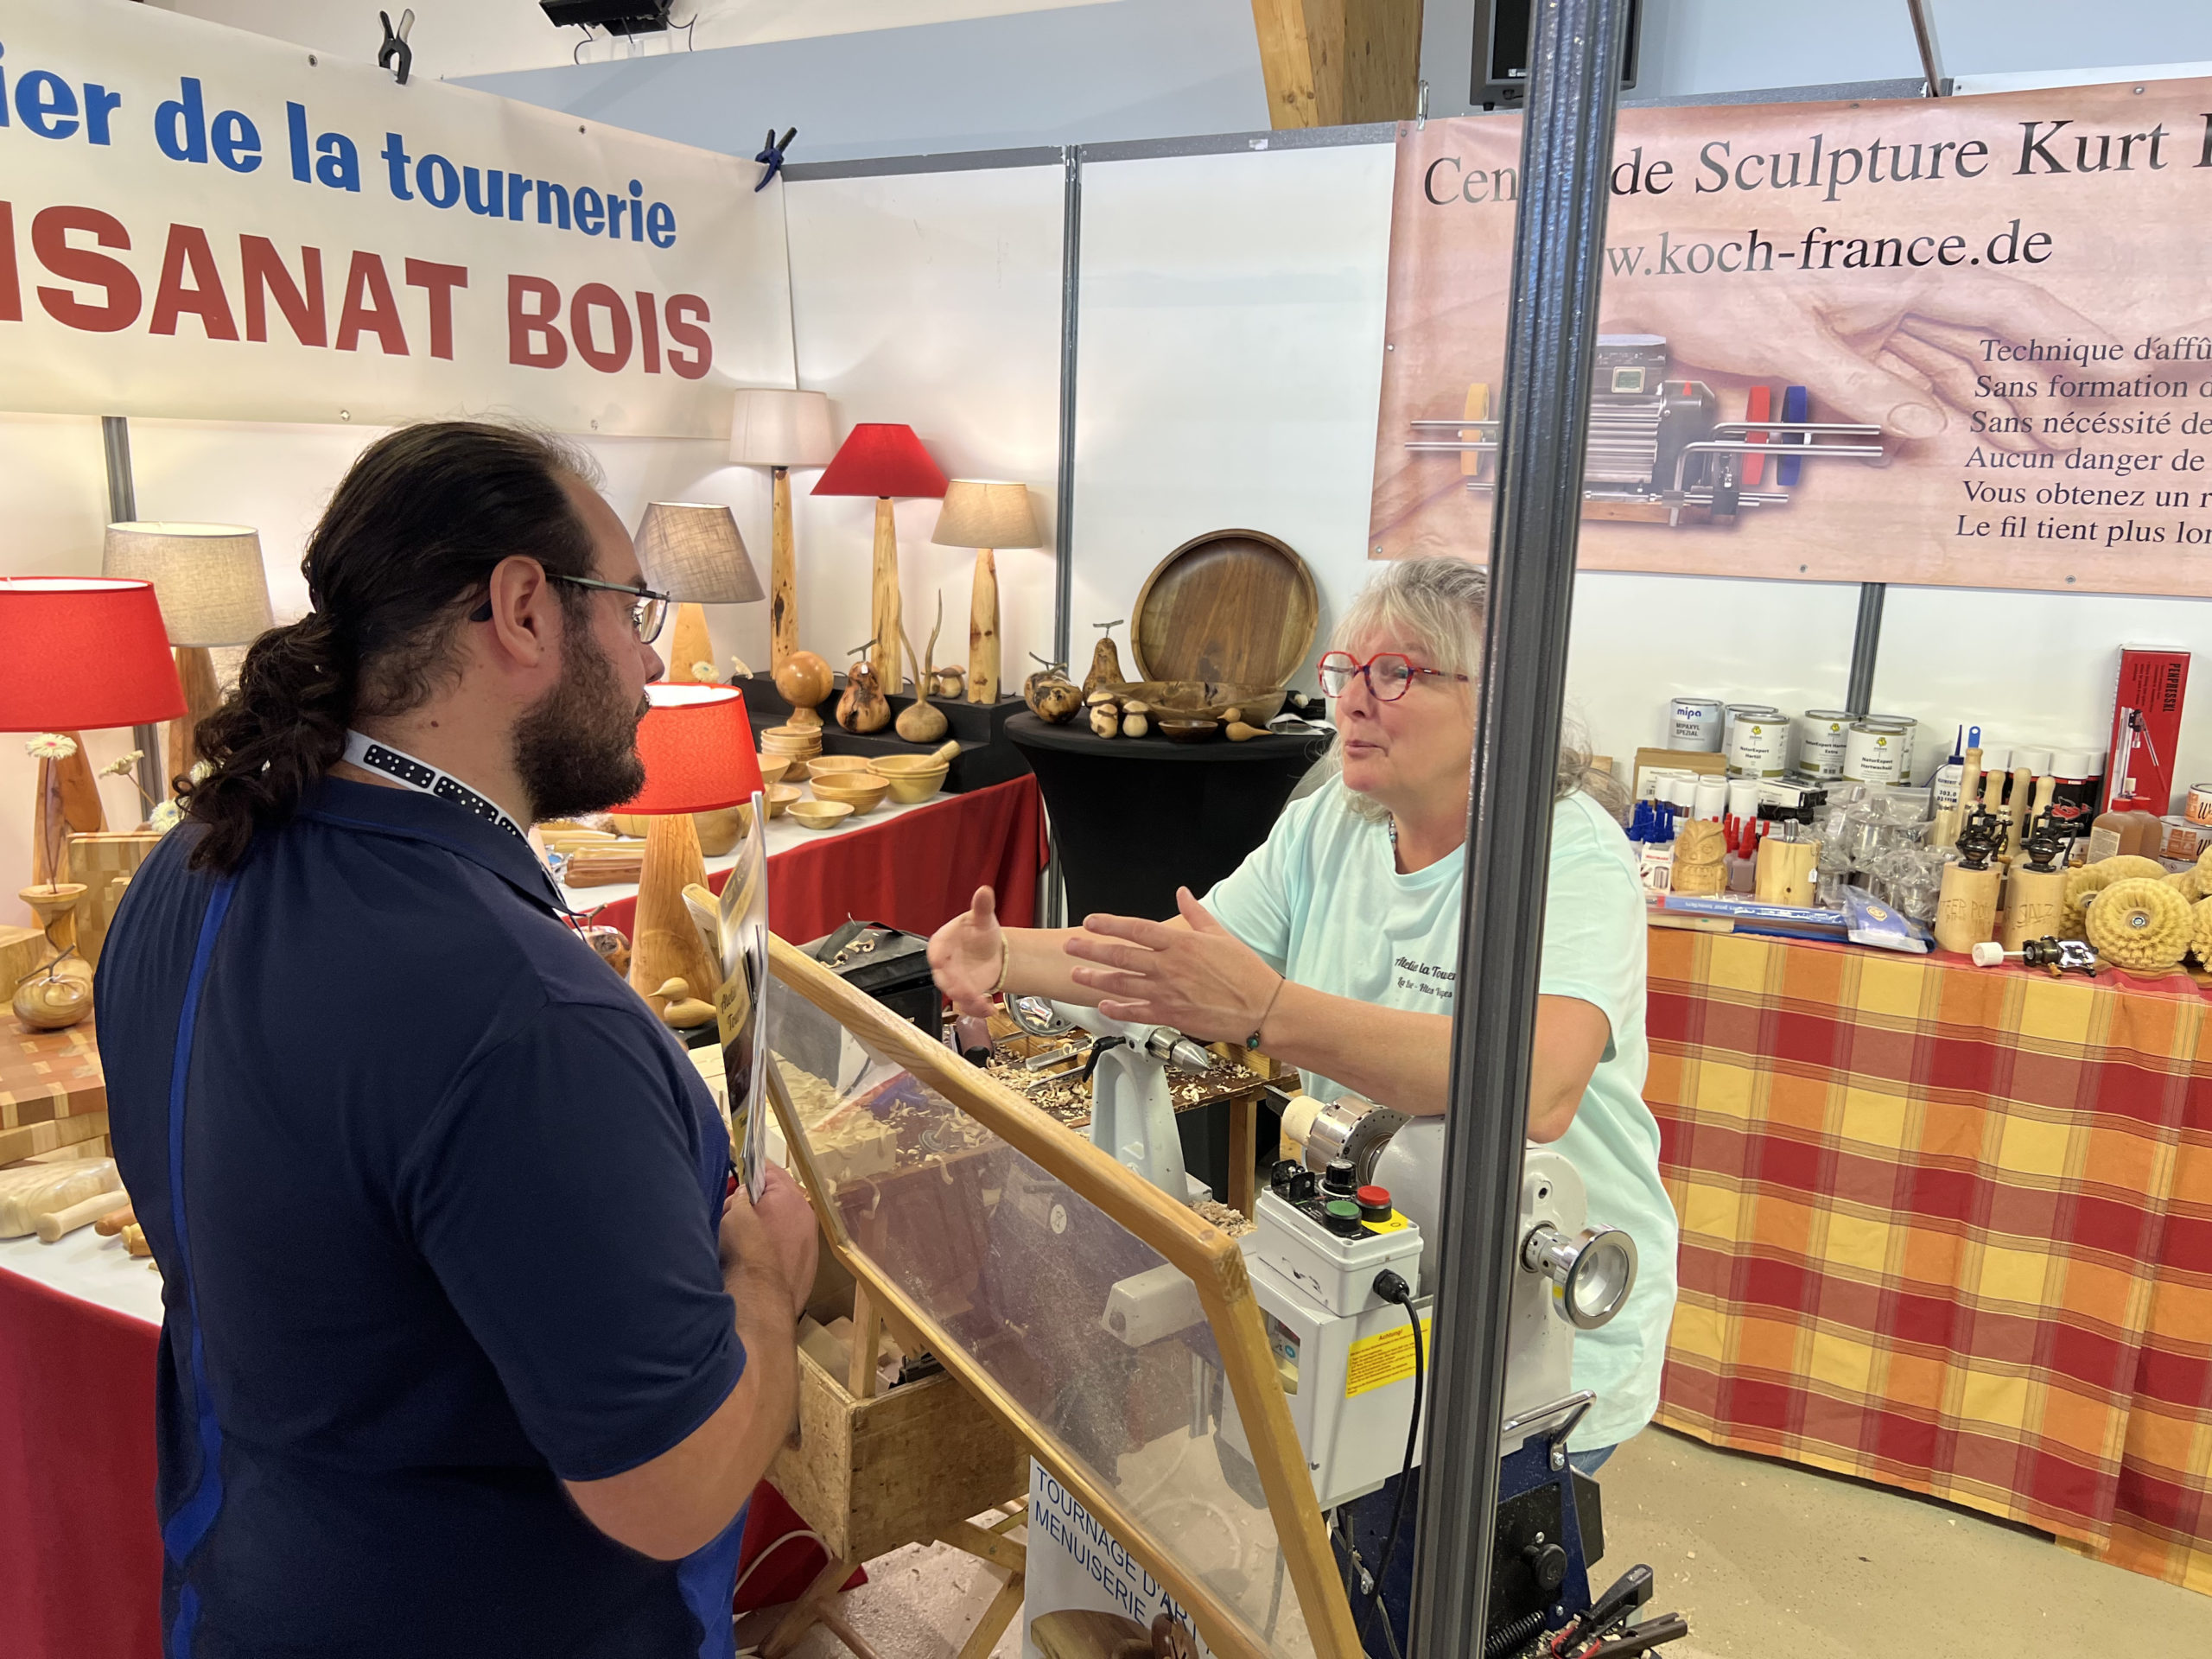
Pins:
<point x="917" y="871"/>
<point x="81" y="1559"/>
<point x="81" y="1563"/>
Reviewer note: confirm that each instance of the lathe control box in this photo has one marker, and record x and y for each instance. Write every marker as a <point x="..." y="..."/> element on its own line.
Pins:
<point x="1337" y="1272"/>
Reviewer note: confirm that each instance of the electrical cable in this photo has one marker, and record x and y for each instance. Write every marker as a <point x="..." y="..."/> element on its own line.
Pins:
<point x="802" y="1532"/>
<point x="1392" y="1288"/>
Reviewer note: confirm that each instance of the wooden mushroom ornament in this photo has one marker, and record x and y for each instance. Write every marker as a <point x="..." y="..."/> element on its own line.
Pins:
<point x="921" y="721"/>
<point x="949" y="681"/>
<point x="863" y="707"/>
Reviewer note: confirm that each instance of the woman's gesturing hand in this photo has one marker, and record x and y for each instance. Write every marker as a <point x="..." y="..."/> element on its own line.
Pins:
<point x="967" y="955"/>
<point x="1200" y="978"/>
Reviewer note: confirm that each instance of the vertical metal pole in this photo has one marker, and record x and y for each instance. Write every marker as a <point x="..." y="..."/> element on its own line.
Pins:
<point x="1931" y="50"/>
<point x="1567" y="139"/>
<point x="1865" y="648"/>
<point x="1070" y="324"/>
<point x="122" y="508"/>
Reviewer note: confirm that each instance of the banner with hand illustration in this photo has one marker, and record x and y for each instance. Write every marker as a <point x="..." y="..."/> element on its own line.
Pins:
<point x="1958" y="341"/>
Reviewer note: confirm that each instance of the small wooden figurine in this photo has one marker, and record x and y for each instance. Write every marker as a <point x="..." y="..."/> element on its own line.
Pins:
<point x="804" y="680"/>
<point x="1052" y="697"/>
<point x="920" y="721"/>
<point x="682" y="1011"/>
<point x="1105" y="660"/>
<point x="863" y="707"/>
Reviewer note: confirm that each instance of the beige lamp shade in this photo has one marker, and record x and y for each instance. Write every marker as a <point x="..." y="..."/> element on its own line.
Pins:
<point x="980" y="512"/>
<point x="207" y="578"/>
<point x="691" y="551"/>
<point x="771" y="426"/>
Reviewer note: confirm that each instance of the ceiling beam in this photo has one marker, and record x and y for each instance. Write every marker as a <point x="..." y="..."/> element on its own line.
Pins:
<point x="1332" y="63"/>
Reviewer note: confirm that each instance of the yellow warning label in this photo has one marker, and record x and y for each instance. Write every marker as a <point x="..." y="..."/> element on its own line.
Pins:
<point x="1397" y="1223"/>
<point x="1378" y="1361"/>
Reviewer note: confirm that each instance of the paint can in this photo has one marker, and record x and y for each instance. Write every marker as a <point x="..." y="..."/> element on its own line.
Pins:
<point x="1875" y="753"/>
<point x="2182" y="839"/>
<point x="2199" y="809"/>
<point x="1696" y="724"/>
<point x="1911" y="727"/>
<point x="1758" y="743"/>
<point x="1822" y="736"/>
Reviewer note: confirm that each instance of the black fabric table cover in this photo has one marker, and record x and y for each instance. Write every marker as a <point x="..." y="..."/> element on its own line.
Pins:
<point x="1135" y="818"/>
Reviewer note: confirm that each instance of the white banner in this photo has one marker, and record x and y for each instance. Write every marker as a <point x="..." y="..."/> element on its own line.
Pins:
<point x="197" y="222"/>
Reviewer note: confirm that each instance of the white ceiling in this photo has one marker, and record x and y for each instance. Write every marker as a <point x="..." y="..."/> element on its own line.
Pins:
<point x="454" y="38"/>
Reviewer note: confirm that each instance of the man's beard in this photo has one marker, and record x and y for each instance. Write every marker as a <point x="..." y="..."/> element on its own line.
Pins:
<point x="576" y="747"/>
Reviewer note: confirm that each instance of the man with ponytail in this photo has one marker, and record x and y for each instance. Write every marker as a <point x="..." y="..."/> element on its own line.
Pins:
<point x="466" y="1352"/>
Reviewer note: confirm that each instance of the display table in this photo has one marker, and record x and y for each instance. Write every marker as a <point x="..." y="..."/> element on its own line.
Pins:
<point x="1945" y="1228"/>
<point x="1136" y="818"/>
<point x="914" y="867"/>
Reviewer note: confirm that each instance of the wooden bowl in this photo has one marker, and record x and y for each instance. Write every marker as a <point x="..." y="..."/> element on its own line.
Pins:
<point x="1178" y="728"/>
<point x="820" y="815"/>
<point x="862" y="791"/>
<point x="781" y="796"/>
<point x="890" y="766"/>
<point x="823" y="766"/>
<point x="773" y="768"/>
<point x="907" y="787"/>
<point x="719" y="831"/>
<point x="1206" y="699"/>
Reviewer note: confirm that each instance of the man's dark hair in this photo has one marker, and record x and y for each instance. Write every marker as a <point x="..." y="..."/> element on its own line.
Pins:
<point x="408" y="541"/>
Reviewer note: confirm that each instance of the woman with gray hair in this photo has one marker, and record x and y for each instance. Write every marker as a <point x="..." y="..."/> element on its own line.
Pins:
<point x="1334" y="947"/>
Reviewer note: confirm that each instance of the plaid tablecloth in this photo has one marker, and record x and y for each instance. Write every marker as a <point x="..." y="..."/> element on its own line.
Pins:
<point x="1945" y="1228"/>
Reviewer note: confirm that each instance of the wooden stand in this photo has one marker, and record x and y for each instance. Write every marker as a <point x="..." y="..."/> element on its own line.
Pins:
<point x="885" y="610"/>
<point x="2035" y="905"/>
<point x="983" y="630"/>
<point x="783" y="575"/>
<point x="195" y="672"/>
<point x="688" y="643"/>
<point x="1965" y="912"/>
<point x="665" y="941"/>
<point x="67" y="802"/>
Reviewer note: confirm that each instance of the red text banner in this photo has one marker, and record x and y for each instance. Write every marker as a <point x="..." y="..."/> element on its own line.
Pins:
<point x="1955" y="341"/>
<point x="197" y="222"/>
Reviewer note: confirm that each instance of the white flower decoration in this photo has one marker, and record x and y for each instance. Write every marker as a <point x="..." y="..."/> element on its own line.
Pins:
<point x="165" y="817"/>
<point x="50" y="746"/>
<point x="123" y="763"/>
<point x="201" y="771"/>
<point x="705" y="673"/>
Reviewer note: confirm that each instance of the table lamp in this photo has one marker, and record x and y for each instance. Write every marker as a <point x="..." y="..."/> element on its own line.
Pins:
<point x="691" y="551"/>
<point x="209" y="581"/>
<point x="881" y="459"/>
<point x="75" y="652"/>
<point x="779" y="430"/>
<point x="698" y="746"/>
<point x="984" y="514"/>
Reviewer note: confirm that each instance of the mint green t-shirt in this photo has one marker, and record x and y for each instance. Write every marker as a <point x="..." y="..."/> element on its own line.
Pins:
<point x="1322" y="900"/>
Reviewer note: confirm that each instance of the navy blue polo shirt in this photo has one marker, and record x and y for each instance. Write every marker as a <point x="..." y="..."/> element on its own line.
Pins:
<point x="435" y="1200"/>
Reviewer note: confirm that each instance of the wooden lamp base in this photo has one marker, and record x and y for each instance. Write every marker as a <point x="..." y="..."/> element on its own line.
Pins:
<point x="687" y="643"/>
<point x="983" y="630"/>
<point x="886" y="611"/>
<point x="196" y="672"/>
<point x="783" y="577"/>
<point x="664" y="942"/>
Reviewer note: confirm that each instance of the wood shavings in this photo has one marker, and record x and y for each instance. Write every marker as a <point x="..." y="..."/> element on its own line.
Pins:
<point x="1232" y="1222"/>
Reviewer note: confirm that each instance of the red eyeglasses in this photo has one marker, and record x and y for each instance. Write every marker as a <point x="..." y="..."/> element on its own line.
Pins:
<point x="1388" y="674"/>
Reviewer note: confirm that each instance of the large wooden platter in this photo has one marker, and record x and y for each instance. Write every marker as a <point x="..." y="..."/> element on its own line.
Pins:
<point x="1237" y="605"/>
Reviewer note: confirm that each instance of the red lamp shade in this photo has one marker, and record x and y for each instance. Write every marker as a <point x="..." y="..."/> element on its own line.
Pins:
<point x="83" y="652"/>
<point x="881" y="458"/>
<point x="697" y="747"/>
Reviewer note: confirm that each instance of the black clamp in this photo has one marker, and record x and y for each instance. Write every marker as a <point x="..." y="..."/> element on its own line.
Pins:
<point x="771" y="156"/>
<point x="395" y="43"/>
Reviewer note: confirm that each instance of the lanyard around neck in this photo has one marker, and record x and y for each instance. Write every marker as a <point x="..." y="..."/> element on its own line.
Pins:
<point x="398" y="764"/>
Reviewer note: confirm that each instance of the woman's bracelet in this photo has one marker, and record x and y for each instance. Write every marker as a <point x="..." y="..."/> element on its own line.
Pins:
<point x="1005" y="961"/>
<point x="1252" y="1041"/>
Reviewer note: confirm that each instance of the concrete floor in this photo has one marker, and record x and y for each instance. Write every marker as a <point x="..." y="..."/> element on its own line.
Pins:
<point x="1769" y="1560"/>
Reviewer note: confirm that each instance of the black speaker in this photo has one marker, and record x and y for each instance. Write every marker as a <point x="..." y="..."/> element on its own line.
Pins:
<point x="1503" y="30"/>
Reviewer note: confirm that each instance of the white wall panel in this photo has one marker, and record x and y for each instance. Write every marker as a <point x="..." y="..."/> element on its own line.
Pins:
<point x="932" y="299"/>
<point x="1229" y="362"/>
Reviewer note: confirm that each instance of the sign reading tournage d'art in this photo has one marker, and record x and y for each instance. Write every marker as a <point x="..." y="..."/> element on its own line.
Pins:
<point x="198" y="222"/>
<point x="1962" y="341"/>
